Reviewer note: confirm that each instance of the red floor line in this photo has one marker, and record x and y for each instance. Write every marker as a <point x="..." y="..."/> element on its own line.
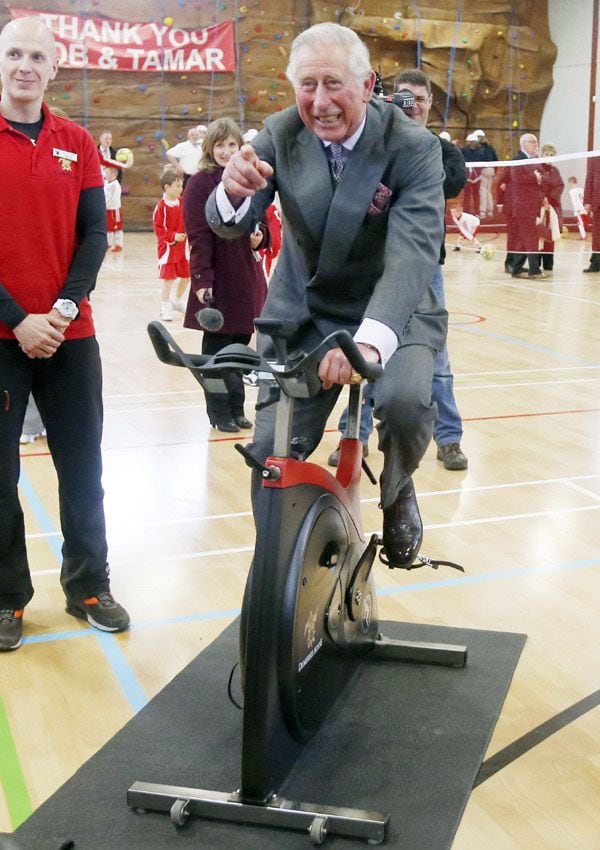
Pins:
<point x="524" y="415"/>
<point x="333" y="430"/>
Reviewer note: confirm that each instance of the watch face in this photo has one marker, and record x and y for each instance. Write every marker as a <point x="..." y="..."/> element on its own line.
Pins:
<point x="66" y="308"/>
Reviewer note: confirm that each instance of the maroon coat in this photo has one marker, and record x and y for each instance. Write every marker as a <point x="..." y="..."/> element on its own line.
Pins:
<point x="521" y="199"/>
<point x="591" y="196"/>
<point x="228" y="266"/>
<point x="552" y="187"/>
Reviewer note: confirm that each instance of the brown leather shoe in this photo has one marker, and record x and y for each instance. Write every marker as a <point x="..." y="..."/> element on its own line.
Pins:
<point x="402" y="528"/>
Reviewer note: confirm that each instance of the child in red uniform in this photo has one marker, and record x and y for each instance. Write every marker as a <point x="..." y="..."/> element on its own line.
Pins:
<point x="114" y="216"/>
<point x="173" y="248"/>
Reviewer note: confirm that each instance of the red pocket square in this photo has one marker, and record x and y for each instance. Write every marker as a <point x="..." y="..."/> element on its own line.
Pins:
<point x="381" y="199"/>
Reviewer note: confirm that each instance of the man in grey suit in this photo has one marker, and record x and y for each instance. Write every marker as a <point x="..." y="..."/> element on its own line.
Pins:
<point x="360" y="187"/>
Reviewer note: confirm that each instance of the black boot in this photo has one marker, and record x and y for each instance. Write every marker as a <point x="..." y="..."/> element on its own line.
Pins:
<point x="594" y="265"/>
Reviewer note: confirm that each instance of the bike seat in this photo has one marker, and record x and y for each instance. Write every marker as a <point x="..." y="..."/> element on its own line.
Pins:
<point x="235" y="356"/>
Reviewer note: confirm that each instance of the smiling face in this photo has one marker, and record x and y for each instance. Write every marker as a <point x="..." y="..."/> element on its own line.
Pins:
<point x="223" y="151"/>
<point x="332" y="102"/>
<point x="27" y="64"/>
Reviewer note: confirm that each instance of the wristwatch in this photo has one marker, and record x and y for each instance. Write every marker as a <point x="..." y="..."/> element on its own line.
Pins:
<point x="67" y="308"/>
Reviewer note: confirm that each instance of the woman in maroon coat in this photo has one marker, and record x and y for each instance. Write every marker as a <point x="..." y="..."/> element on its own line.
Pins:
<point x="225" y="273"/>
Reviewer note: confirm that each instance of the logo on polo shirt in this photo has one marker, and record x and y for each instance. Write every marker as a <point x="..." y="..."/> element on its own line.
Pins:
<point x="65" y="158"/>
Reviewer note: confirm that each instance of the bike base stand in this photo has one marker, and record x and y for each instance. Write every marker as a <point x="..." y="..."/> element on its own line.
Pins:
<point x="446" y="654"/>
<point x="318" y="821"/>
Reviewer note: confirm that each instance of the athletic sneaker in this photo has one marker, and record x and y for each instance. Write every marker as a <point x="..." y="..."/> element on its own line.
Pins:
<point x="11" y="629"/>
<point x="31" y="438"/>
<point x="101" y="612"/>
<point x="179" y="304"/>
<point x="166" y="311"/>
<point x="452" y="456"/>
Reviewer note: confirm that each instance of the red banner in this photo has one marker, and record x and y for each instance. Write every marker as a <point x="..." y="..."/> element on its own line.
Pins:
<point x="104" y="44"/>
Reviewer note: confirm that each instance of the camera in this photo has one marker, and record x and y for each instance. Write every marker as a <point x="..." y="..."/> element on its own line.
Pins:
<point x="404" y="99"/>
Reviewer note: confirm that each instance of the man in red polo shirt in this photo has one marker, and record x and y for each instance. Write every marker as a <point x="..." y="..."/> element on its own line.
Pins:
<point x="52" y="242"/>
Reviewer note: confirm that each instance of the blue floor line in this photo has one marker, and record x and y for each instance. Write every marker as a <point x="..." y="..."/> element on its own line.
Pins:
<point x="230" y="613"/>
<point x="43" y="518"/>
<point x="121" y="669"/>
<point x="466" y="579"/>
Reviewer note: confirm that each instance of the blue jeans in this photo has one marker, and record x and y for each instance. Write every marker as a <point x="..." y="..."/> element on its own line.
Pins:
<point x="448" y="425"/>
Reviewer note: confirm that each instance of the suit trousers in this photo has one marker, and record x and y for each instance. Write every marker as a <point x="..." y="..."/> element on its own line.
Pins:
<point x="448" y="425"/>
<point x="67" y="389"/>
<point x="519" y="260"/>
<point x="402" y="406"/>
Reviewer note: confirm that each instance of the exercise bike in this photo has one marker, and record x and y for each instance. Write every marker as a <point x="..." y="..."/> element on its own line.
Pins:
<point x="309" y="615"/>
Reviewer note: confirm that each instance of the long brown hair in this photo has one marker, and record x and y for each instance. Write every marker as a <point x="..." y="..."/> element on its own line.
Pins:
<point x="217" y="131"/>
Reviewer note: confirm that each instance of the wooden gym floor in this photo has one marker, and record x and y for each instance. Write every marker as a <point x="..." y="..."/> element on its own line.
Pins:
<point x="524" y="520"/>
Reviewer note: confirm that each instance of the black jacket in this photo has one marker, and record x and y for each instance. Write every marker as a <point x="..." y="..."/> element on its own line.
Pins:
<point x="455" y="179"/>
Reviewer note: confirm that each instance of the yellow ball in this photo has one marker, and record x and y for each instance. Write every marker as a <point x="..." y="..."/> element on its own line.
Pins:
<point x="168" y="22"/>
<point x="488" y="252"/>
<point x="125" y="157"/>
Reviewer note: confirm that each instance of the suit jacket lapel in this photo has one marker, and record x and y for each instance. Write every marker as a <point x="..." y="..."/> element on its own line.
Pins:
<point x="311" y="179"/>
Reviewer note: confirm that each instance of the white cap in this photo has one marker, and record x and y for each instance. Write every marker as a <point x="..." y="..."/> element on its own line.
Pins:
<point x="472" y="137"/>
<point x="479" y="133"/>
<point x="250" y="134"/>
<point x="445" y="135"/>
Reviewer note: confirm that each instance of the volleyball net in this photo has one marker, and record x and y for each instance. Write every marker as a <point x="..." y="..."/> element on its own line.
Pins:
<point x="536" y="205"/>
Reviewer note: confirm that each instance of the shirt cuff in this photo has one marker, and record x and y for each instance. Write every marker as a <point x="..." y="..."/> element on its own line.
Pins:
<point x="382" y="337"/>
<point x="229" y="214"/>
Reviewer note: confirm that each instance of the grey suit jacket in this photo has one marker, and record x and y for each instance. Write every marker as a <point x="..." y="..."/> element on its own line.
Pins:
<point x="340" y="261"/>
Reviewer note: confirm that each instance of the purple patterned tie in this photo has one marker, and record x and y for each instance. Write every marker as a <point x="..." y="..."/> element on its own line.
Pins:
<point x="336" y="160"/>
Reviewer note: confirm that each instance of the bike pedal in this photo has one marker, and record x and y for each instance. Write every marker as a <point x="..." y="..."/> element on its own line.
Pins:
<point x="425" y="561"/>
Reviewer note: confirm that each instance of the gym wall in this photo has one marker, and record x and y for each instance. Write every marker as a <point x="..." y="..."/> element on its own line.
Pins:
<point x="490" y="66"/>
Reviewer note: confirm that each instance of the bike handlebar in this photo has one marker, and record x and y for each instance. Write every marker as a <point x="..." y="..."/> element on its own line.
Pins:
<point x="370" y="371"/>
<point x="242" y="357"/>
<point x="169" y="352"/>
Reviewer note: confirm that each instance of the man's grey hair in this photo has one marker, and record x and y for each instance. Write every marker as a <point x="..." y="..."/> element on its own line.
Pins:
<point x="357" y="53"/>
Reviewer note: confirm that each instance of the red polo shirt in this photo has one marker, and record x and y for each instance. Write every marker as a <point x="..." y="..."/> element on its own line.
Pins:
<point x="39" y="193"/>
